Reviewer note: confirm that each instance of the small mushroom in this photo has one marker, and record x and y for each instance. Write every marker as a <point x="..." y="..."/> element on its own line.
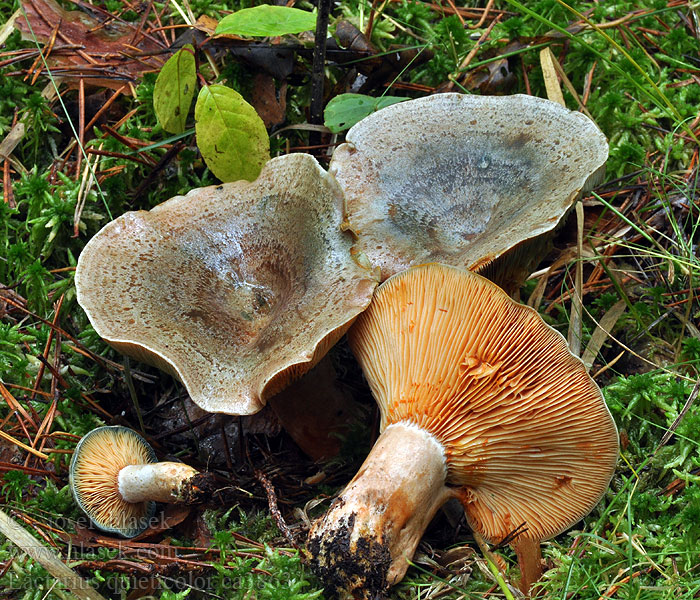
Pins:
<point x="116" y="480"/>
<point x="236" y="289"/>
<point x="480" y="400"/>
<point x="465" y="180"/>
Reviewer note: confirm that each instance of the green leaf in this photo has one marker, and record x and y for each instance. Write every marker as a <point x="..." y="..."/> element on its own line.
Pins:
<point x="267" y="20"/>
<point x="231" y="136"/>
<point x="343" y="111"/>
<point x="174" y="90"/>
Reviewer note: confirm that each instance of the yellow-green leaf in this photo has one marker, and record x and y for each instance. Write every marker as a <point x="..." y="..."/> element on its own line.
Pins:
<point x="267" y="20"/>
<point x="230" y="135"/>
<point x="174" y="90"/>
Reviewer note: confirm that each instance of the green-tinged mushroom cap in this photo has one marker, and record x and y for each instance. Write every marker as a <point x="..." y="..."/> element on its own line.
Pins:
<point x="464" y="180"/>
<point x="236" y="289"/>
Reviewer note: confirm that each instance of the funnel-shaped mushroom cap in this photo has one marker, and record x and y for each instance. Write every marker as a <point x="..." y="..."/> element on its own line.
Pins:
<point x="462" y="179"/>
<point x="94" y="470"/>
<point x="525" y="430"/>
<point x="235" y="288"/>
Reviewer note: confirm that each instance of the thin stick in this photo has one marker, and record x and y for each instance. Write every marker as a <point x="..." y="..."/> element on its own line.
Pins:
<point x="105" y="107"/>
<point x="47" y="347"/>
<point x="493" y="565"/>
<point x="480" y="22"/>
<point x="459" y="16"/>
<point x="472" y="53"/>
<point x="14" y="405"/>
<point x="8" y="195"/>
<point x="274" y="510"/>
<point x="576" y="323"/>
<point x="81" y="126"/>
<point x="318" y="69"/>
<point x="132" y="392"/>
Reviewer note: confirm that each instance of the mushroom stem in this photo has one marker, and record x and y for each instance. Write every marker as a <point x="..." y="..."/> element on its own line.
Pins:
<point x="364" y="542"/>
<point x="169" y="482"/>
<point x="529" y="553"/>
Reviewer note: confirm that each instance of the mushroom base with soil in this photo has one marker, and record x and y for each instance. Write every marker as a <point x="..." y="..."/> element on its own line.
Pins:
<point x="363" y="544"/>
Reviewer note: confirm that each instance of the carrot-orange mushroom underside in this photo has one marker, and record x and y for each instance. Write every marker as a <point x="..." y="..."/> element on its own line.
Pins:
<point x="481" y="401"/>
<point x="236" y="289"/>
<point x="465" y="180"/>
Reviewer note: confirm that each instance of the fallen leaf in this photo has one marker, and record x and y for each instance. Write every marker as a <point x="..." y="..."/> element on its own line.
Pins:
<point x="172" y="515"/>
<point x="266" y="20"/>
<point x="344" y="110"/>
<point x="493" y="78"/>
<point x="207" y="24"/>
<point x="269" y="103"/>
<point x="103" y="51"/>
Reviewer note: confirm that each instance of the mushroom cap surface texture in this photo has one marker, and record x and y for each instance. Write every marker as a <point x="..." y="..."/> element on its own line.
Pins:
<point x="236" y="289"/>
<point x="526" y="433"/>
<point x="94" y="470"/>
<point x="463" y="179"/>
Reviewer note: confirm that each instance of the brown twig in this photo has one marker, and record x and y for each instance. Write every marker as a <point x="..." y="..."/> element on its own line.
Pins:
<point x="47" y="347"/>
<point x="274" y="510"/>
<point x="484" y="15"/>
<point x="15" y="406"/>
<point x="473" y="52"/>
<point x="8" y="195"/>
<point x="105" y="107"/>
<point x="467" y="13"/>
<point x="171" y="153"/>
<point x="453" y="6"/>
<point x="96" y="152"/>
<point x="318" y="69"/>
<point x="64" y="384"/>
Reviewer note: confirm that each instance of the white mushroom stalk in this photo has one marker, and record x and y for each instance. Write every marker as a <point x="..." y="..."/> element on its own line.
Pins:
<point x="480" y="400"/>
<point x="168" y="482"/>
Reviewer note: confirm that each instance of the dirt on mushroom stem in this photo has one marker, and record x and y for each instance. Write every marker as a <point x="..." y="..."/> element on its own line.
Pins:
<point x="198" y="489"/>
<point x="363" y="544"/>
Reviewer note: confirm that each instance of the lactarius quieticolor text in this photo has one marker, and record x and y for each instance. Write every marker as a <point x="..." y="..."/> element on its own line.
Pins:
<point x="465" y="180"/>
<point x="236" y="289"/>
<point x="116" y="480"/>
<point x="480" y="400"/>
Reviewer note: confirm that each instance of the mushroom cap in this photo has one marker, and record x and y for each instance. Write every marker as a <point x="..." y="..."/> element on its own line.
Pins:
<point x="462" y="179"/>
<point x="236" y="289"/>
<point x="526" y="433"/>
<point x="93" y="476"/>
